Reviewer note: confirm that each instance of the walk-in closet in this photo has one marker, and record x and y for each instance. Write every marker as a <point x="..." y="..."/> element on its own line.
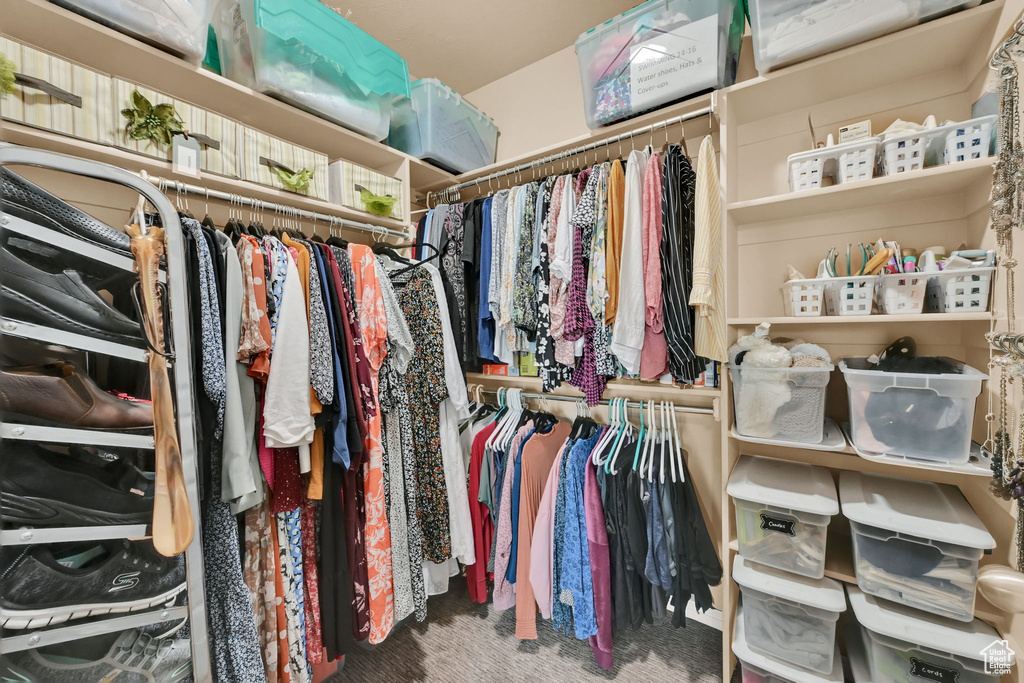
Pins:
<point x="455" y="341"/>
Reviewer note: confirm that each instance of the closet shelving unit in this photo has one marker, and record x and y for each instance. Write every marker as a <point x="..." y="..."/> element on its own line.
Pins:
<point x="54" y="29"/>
<point x="183" y="387"/>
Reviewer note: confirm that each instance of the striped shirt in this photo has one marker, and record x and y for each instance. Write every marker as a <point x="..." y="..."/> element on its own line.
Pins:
<point x="707" y="296"/>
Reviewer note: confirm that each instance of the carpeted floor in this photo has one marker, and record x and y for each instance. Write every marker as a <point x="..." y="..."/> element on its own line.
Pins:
<point x="465" y="643"/>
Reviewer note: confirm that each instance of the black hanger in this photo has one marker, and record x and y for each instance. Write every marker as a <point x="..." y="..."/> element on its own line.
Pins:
<point x="336" y="241"/>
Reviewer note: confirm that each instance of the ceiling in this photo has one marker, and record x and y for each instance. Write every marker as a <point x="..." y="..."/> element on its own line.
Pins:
<point x="469" y="43"/>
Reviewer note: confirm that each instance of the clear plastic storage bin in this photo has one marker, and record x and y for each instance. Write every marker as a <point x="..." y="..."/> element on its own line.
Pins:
<point x="436" y="124"/>
<point x="658" y="52"/>
<point x="785" y="31"/>
<point x="780" y="403"/>
<point x="916" y="415"/>
<point x="915" y="542"/>
<point x="790" y="618"/>
<point x="782" y="513"/>
<point x="758" y="668"/>
<point x="305" y="53"/>
<point x="179" y="26"/>
<point x="906" y="646"/>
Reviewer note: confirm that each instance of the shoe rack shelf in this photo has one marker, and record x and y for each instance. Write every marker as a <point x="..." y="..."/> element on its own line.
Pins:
<point x="63" y="634"/>
<point x="184" y="388"/>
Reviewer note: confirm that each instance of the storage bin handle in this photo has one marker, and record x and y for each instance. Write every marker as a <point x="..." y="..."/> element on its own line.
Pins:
<point x="270" y="163"/>
<point x="50" y="89"/>
<point x="204" y="140"/>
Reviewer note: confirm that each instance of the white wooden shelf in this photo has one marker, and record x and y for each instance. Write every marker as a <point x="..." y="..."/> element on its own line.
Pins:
<point x="867" y="194"/>
<point x="957" y="45"/>
<point x="34" y="137"/>
<point x="624" y="386"/>
<point x="863" y="319"/>
<point x="70" y="35"/>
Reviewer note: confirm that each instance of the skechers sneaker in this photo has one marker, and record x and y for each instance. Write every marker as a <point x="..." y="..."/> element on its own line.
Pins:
<point x="134" y="657"/>
<point x="43" y="585"/>
<point x="43" y="488"/>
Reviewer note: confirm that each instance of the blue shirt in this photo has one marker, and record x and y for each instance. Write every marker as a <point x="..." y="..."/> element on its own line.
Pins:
<point x="510" y="575"/>
<point x="576" y="573"/>
<point x="485" y="322"/>
<point x="339" y="422"/>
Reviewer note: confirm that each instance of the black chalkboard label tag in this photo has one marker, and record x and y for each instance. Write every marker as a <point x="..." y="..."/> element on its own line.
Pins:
<point x="927" y="671"/>
<point x="783" y="526"/>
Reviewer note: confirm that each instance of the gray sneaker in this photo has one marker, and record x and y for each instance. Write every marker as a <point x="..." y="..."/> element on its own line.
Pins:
<point x="133" y="658"/>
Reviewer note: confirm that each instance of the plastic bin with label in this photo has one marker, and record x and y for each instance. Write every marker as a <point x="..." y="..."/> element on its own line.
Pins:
<point x="179" y="26"/>
<point x="305" y="53"/>
<point x="907" y="646"/>
<point x="788" y="31"/>
<point x="434" y="123"/>
<point x="658" y="52"/>
<point x="758" y="668"/>
<point x="780" y="403"/>
<point x="915" y="542"/>
<point x="782" y="513"/>
<point x="789" y="617"/>
<point x="916" y="415"/>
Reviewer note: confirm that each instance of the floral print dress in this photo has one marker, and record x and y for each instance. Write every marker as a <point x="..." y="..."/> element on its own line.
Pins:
<point x="426" y="389"/>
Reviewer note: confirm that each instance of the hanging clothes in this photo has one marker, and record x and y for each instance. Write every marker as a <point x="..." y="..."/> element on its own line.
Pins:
<point x="708" y="294"/>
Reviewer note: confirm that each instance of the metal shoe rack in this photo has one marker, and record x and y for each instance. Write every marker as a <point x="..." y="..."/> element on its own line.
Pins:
<point x="183" y="382"/>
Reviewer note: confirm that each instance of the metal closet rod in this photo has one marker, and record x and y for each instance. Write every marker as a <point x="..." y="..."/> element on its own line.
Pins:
<point x="447" y="193"/>
<point x="259" y="205"/>
<point x="604" y="402"/>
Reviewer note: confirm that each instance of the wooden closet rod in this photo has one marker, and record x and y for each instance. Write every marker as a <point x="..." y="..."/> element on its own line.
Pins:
<point x="180" y="188"/>
<point x="700" y="410"/>
<point x="450" y="194"/>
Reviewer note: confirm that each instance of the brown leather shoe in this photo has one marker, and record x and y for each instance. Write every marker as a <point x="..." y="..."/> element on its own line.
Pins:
<point x="61" y="395"/>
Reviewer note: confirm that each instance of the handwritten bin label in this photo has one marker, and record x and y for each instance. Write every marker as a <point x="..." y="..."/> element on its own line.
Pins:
<point x="932" y="672"/>
<point x="673" y="64"/>
<point x="783" y="526"/>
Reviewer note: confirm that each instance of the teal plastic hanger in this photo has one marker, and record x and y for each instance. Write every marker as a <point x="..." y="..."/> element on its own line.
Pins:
<point x="639" y="439"/>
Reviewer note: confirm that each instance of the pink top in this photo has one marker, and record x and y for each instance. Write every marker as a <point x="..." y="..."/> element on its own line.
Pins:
<point x="505" y="592"/>
<point x="542" y="550"/>
<point x="654" y="356"/>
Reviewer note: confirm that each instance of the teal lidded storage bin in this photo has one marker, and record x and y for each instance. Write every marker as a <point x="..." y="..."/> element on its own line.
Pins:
<point x="303" y="52"/>
<point x="658" y="52"/>
<point x="436" y="124"/>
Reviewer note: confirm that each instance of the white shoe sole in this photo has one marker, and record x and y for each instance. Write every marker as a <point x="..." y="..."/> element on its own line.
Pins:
<point x="37" y="618"/>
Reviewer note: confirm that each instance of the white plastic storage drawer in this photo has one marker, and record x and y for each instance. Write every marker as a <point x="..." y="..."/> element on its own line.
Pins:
<point x="782" y="513"/>
<point x="436" y="124"/>
<point x="785" y="31"/>
<point x="657" y="52"/>
<point x="780" y="403"/>
<point x="788" y="617"/>
<point x="179" y="26"/>
<point x="916" y="415"/>
<point x="907" y="646"/>
<point x="915" y="542"/>
<point x="58" y="95"/>
<point x="759" y="668"/>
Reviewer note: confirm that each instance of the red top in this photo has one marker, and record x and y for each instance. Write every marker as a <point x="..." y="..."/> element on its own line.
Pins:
<point x="483" y="527"/>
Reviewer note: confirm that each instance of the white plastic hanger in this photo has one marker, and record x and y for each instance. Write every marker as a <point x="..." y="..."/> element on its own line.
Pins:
<point x="626" y="433"/>
<point x="651" y="434"/>
<point x="677" y="449"/>
<point x="606" y="438"/>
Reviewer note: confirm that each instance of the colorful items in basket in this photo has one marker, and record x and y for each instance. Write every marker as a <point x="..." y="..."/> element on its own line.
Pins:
<point x="876" y="277"/>
<point x="770" y="403"/>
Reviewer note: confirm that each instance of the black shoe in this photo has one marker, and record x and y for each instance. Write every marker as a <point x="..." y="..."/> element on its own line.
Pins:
<point x="63" y="300"/>
<point x="126" y="657"/>
<point x="30" y="202"/>
<point x="43" y="585"/>
<point x="43" y="488"/>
